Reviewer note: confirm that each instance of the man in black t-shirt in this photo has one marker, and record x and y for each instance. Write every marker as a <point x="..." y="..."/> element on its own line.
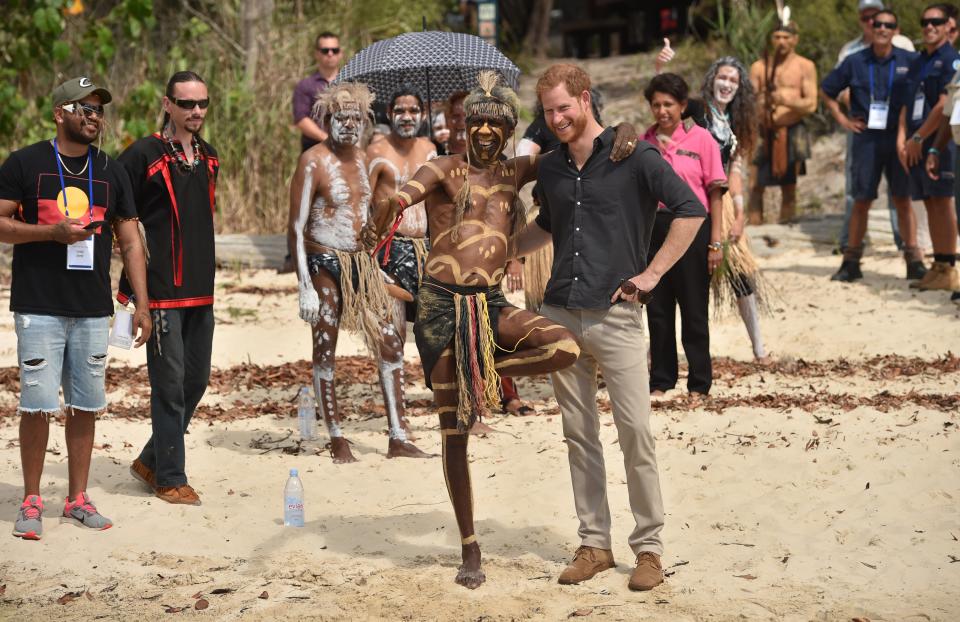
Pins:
<point x="174" y="176"/>
<point x="60" y="200"/>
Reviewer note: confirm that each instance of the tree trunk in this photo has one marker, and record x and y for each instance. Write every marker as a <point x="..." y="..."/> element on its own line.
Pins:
<point x="538" y="29"/>
<point x="255" y="15"/>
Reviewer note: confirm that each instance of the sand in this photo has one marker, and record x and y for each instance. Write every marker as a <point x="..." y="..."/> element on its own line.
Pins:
<point x="772" y="513"/>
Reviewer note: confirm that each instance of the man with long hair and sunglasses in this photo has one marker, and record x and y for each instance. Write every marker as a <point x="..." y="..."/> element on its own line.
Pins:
<point x="930" y="74"/>
<point x="61" y="203"/>
<point x="174" y="176"/>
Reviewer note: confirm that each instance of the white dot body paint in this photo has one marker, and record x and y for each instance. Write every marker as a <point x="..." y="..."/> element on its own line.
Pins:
<point x="323" y="373"/>
<point x="724" y="90"/>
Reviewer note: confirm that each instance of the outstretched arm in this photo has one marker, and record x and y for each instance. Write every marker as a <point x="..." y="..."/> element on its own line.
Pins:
<point x="301" y="196"/>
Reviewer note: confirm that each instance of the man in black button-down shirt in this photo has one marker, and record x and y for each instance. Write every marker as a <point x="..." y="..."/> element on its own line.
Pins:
<point x="599" y="215"/>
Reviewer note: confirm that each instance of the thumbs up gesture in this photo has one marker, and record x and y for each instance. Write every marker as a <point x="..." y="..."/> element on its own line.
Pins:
<point x="665" y="56"/>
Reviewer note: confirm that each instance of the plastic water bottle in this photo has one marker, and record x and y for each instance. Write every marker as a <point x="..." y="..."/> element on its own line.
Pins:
<point x="307" y="415"/>
<point x="293" y="501"/>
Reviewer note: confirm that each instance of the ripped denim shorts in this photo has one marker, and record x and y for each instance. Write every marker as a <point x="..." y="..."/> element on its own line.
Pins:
<point x="55" y="351"/>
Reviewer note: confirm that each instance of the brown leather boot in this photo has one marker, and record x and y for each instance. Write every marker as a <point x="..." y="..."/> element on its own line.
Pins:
<point x="945" y="277"/>
<point x="183" y="494"/>
<point x="141" y="472"/>
<point x="648" y="574"/>
<point x="587" y="562"/>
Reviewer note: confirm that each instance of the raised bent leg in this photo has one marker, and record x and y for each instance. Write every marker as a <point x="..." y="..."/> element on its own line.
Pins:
<point x="530" y="344"/>
<point x="456" y="468"/>
<point x="325" y="333"/>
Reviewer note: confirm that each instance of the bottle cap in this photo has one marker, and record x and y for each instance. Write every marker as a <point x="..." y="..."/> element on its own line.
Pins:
<point x="294" y="473"/>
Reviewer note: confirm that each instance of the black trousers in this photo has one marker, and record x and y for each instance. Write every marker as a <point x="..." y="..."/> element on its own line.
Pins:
<point x="178" y="361"/>
<point x="686" y="284"/>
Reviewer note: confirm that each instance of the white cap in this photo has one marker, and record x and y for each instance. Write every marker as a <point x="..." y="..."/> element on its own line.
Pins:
<point x="870" y="4"/>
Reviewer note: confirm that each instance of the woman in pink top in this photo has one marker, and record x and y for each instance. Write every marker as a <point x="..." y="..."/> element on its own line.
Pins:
<point x="695" y="157"/>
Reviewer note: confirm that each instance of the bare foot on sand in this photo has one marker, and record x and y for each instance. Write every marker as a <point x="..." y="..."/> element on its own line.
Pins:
<point x="517" y="407"/>
<point x="471" y="575"/>
<point x="480" y="427"/>
<point x="403" y="449"/>
<point x="340" y="450"/>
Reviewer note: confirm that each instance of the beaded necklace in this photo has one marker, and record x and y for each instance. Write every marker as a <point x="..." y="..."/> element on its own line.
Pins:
<point x="175" y="149"/>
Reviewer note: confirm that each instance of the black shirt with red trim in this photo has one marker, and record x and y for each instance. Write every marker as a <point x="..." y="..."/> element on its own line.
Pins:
<point x="41" y="283"/>
<point x="176" y="206"/>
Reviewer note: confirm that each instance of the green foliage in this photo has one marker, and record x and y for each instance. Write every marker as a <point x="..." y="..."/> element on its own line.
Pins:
<point x="133" y="46"/>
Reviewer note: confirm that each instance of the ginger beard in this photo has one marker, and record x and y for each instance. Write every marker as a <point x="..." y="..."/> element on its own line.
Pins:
<point x="569" y="124"/>
<point x="726" y="84"/>
<point x="346" y="125"/>
<point x="488" y="137"/>
<point x="405" y="116"/>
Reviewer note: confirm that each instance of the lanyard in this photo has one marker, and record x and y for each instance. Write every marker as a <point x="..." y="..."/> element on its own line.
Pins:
<point x="893" y="66"/>
<point x="63" y="188"/>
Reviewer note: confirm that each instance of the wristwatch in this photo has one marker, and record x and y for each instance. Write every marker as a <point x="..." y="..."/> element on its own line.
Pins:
<point x="917" y="138"/>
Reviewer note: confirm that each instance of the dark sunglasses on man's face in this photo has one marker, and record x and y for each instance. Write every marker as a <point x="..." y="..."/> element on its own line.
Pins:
<point x="86" y="110"/>
<point x="329" y="50"/>
<point x="887" y="25"/>
<point x="866" y="17"/>
<point x="190" y="104"/>
<point x="933" y="21"/>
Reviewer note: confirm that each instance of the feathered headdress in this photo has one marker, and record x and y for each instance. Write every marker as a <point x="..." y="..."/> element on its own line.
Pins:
<point x="783" y="19"/>
<point x="492" y="98"/>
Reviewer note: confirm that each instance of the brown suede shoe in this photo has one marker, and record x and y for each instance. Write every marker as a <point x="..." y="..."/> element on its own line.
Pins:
<point x="648" y="574"/>
<point x="184" y="494"/>
<point x="141" y="472"/>
<point x="587" y="562"/>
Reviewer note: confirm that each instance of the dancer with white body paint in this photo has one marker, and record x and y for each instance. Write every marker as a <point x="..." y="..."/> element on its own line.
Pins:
<point x="340" y="284"/>
<point x="391" y="163"/>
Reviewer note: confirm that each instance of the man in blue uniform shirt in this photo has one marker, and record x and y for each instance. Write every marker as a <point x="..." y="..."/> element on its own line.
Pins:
<point x="875" y="76"/>
<point x="930" y="73"/>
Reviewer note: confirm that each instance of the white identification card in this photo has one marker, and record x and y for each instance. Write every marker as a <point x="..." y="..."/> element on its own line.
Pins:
<point x="918" y="108"/>
<point x="878" y="115"/>
<point x="121" y="333"/>
<point x="80" y="255"/>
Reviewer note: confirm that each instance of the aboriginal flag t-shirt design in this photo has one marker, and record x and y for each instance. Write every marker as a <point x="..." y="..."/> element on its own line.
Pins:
<point x="42" y="284"/>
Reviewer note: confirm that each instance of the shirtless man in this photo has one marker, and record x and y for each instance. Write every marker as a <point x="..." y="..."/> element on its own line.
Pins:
<point x="340" y="285"/>
<point x="786" y="86"/>
<point x="391" y="163"/>
<point x="466" y="331"/>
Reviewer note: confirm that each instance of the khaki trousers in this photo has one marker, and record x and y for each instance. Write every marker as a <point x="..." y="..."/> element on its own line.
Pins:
<point x="612" y="340"/>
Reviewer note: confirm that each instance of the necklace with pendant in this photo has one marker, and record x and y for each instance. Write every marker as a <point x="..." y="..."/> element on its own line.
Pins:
<point x="67" y="168"/>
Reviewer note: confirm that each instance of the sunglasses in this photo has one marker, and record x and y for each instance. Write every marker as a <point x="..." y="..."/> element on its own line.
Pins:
<point x="933" y="21"/>
<point x="87" y="110"/>
<point x="867" y="17"/>
<point x="329" y="50"/>
<point x="887" y="25"/>
<point x="190" y="104"/>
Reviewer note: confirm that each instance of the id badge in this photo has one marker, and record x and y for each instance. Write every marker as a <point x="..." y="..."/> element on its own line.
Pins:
<point x="878" y="115"/>
<point x="918" y="108"/>
<point x="121" y="333"/>
<point x="80" y="255"/>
